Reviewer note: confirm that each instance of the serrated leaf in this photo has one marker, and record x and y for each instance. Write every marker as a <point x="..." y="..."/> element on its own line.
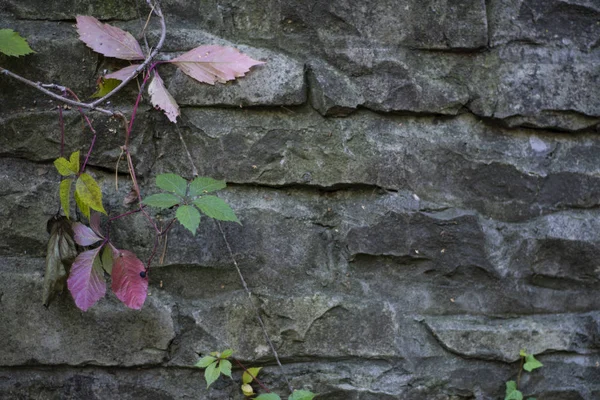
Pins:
<point x="226" y="353"/>
<point x="83" y="235"/>
<point x="105" y="86"/>
<point x="107" y="258"/>
<point x="205" y="361"/>
<point x="189" y="217"/>
<point x="172" y="183"/>
<point x="83" y="207"/>
<point x="211" y="64"/>
<point x="12" y="44"/>
<point x="89" y="192"/>
<point x="63" y="166"/>
<point x="302" y="395"/>
<point x="161" y="200"/>
<point x="268" y="396"/>
<point x="202" y="185"/>
<point x="86" y="281"/>
<point x="108" y="40"/>
<point x="247" y="390"/>
<point x="162" y="99"/>
<point x="211" y="374"/>
<point x="531" y="363"/>
<point x="60" y="254"/>
<point x="251" y="373"/>
<point x="74" y="161"/>
<point x="123" y="73"/>
<point x="64" y="191"/>
<point x="511" y="391"/>
<point x="216" y="208"/>
<point x="127" y="283"/>
<point x="225" y="367"/>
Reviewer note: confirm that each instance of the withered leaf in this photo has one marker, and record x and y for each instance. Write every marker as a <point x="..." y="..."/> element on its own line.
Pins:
<point x="60" y="255"/>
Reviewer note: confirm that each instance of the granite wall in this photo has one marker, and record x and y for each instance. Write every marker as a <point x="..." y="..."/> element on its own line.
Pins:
<point x="418" y="182"/>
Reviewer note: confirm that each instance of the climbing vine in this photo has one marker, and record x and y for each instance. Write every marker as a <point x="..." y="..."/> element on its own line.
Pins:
<point x="83" y="255"/>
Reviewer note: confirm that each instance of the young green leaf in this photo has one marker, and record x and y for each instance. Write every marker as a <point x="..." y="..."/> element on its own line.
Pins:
<point x="162" y="200"/>
<point x="105" y="86"/>
<point x="83" y="207"/>
<point x="225" y="367"/>
<point x="249" y="375"/>
<point x="12" y="44"/>
<point x="531" y="363"/>
<point x="205" y="361"/>
<point x="226" y="353"/>
<point x="522" y="353"/>
<point x="74" y="162"/>
<point x="268" y="396"/>
<point x="172" y="183"/>
<point x="202" y="185"/>
<point x="247" y="390"/>
<point x="107" y="258"/>
<point x="511" y="391"/>
<point x="63" y="166"/>
<point x="211" y="374"/>
<point x="64" y="194"/>
<point x="216" y="208"/>
<point x="89" y="192"/>
<point x="189" y="217"/>
<point x="302" y="395"/>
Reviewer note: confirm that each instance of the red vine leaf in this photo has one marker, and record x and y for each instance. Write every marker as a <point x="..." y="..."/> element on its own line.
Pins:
<point x="122" y="74"/>
<point x="162" y="99"/>
<point x="108" y="40"/>
<point x="129" y="280"/>
<point x="83" y="235"/>
<point x="95" y="224"/>
<point x="86" y="281"/>
<point x="210" y="64"/>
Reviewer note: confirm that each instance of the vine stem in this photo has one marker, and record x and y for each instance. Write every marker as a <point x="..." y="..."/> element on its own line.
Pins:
<point x="256" y="310"/>
<point x="94" y="105"/>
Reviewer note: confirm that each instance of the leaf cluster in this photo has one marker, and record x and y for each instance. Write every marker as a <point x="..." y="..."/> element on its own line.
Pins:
<point x="528" y="363"/>
<point x="190" y="198"/>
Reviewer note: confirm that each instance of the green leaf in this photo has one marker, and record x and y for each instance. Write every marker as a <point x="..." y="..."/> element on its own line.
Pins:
<point x="211" y="374"/>
<point x="268" y="396"/>
<point x="523" y="353"/>
<point x="85" y="209"/>
<point x="205" y="361"/>
<point x="246" y="378"/>
<point x="89" y="192"/>
<point x="107" y="259"/>
<point x="202" y="185"/>
<point x="172" y="183"/>
<point x="63" y="166"/>
<point x="162" y="200"/>
<point x="216" y="208"/>
<point x="226" y="353"/>
<point x="531" y="363"/>
<point x="511" y="391"/>
<point x="225" y="367"/>
<point x="74" y="162"/>
<point x="13" y="44"/>
<point x="105" y="86"/>
<point x="65" y="194"/>
<point x="301" y="395"/>
<point x="189" y="217"/>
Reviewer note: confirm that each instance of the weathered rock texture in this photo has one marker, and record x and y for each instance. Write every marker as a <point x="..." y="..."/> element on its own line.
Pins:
<point x="418" y="181"/>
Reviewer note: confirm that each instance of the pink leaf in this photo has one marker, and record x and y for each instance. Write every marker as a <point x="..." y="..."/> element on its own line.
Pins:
<point x="210" y="64"/>
<point x="129" y="280"/>
<point x="108" y="40"/>
<point x="86" y="281"/>
<point x="123" y="73"/>
<point x="95" y="224"/>
<point x="162" y="99"/>
<point x="83" y="235"/>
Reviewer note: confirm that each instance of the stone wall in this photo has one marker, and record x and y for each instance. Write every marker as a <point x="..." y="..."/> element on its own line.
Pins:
<point x="418" y="182"/>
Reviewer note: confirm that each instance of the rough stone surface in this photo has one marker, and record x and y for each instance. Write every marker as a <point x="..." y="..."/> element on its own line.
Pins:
<point x="417" y="181"/>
